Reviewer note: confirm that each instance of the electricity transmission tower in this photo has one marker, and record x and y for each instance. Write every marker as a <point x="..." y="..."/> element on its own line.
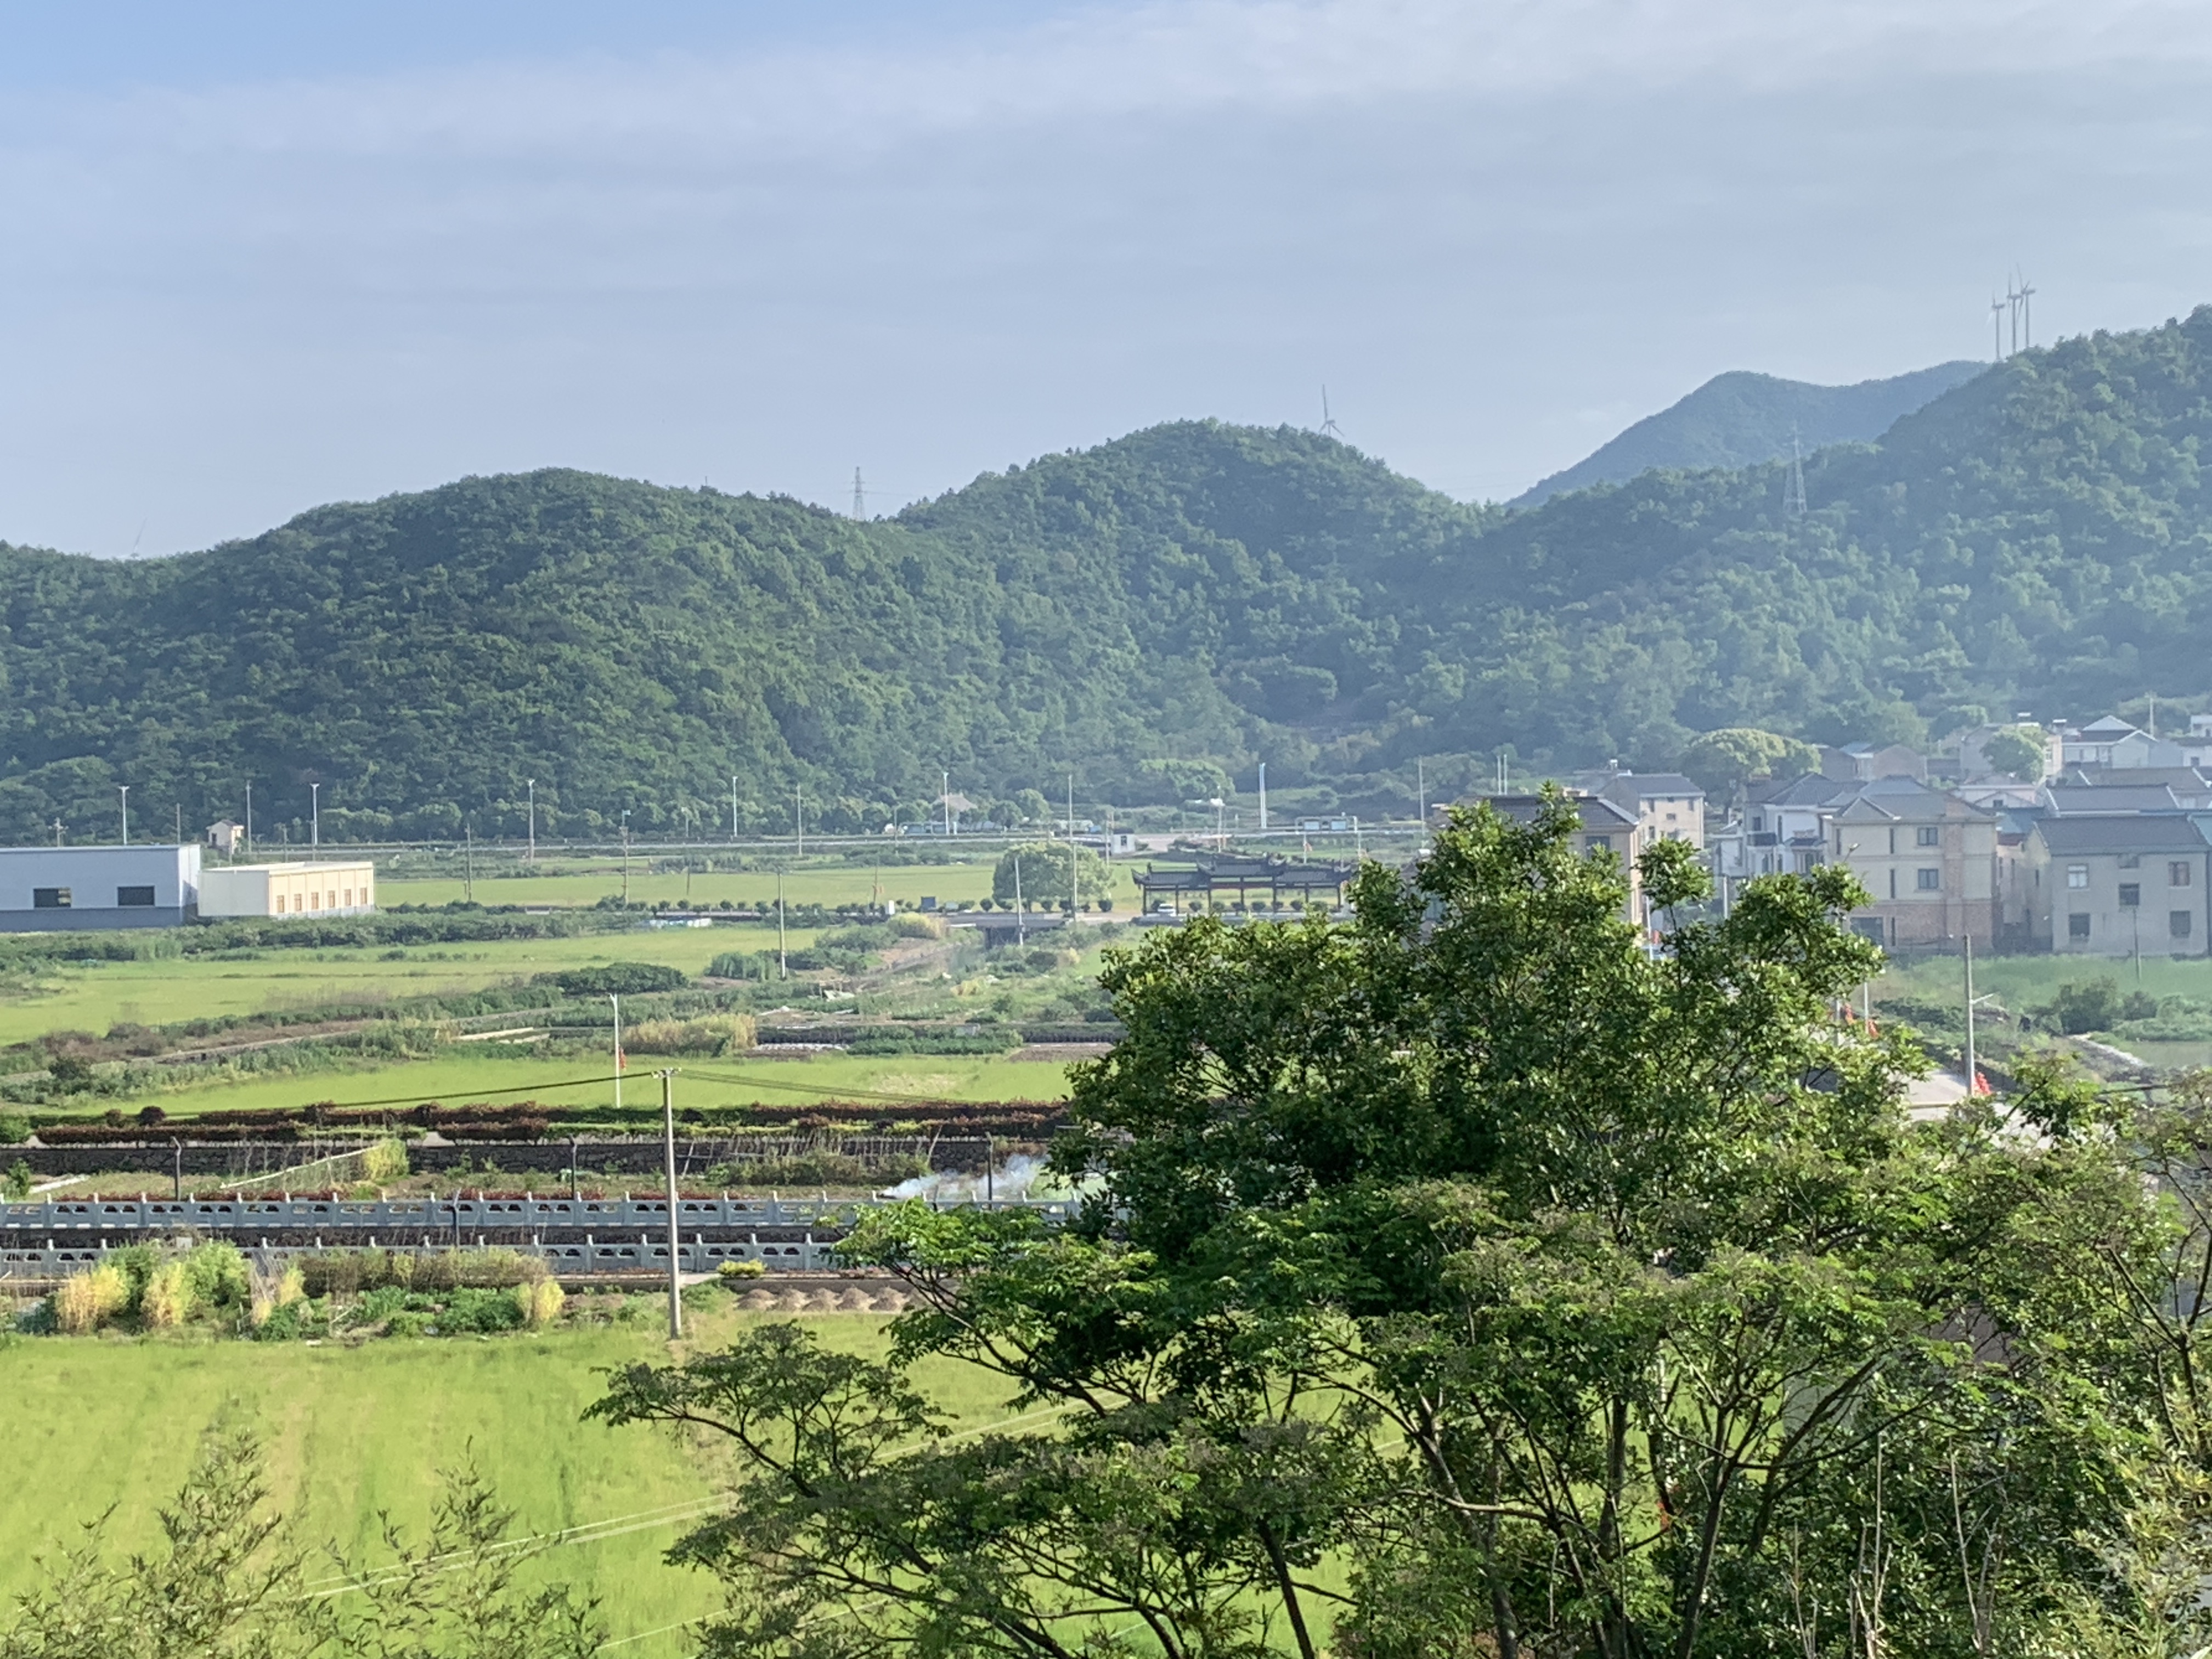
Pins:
<point x="860" y="495"/>
<point x="1793" y="490"/>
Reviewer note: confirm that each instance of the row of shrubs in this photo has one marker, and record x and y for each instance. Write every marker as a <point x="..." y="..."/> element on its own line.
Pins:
<point x="149" y="1288"/>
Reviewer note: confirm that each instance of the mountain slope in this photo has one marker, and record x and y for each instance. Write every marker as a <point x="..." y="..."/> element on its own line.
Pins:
<point x="1147" y="614"/>
<point x="1740" y="419"/>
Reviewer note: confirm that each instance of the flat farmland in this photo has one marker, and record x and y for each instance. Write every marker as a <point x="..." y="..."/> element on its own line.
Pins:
<point x="827" y="884"/>
<point x="92" y="996"/>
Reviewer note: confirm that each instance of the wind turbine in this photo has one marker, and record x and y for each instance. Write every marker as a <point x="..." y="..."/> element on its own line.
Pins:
<point x="1329" y="428"/>
<point x="2027" y="316"/>
<point x="1996" y="328"/>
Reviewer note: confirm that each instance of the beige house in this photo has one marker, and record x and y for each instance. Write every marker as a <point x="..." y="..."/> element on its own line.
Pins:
<point x="1606" y="826"/>
<point x="289" y="890"/>
<point x="1668" y="806"/>
<point x="1928" y="858"/>
<point x="2124" y="885"/>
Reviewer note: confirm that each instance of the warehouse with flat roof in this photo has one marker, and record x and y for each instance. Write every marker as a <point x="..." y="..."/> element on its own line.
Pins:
<point x="289" y="890"/>
<point x="347" y="888"/>
<point x="80" y="888"/>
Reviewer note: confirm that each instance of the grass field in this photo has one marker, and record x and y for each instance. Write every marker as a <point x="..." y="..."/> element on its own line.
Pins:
<point x="101" y="1422"/>
<point x="829" y="884"/>
<point x="2024" y="982"/>
<point x="94" y="996"/>
<point x="453" y="1077"/>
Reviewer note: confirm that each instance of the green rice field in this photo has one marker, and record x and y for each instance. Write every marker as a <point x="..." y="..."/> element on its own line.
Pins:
<point x="455" y="1077"/>
<point x="92" y="996"/>
<point x="830" y="883"/>
<point x="110" y="1421"/>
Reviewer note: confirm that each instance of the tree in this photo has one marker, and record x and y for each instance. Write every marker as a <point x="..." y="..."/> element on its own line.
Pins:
<point x="1045" y="872"/>
<point x="1723" y="762"/>
<point x="2018" y="751"/>
<point x="1588" y="1289"/>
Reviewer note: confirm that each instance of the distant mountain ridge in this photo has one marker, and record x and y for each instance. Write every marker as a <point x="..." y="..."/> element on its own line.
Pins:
<point x="1155" y="616"/>
<point x="1742" y="419"/>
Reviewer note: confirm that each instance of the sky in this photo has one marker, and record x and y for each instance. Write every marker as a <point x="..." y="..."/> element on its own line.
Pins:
<point x="256" y="257"/>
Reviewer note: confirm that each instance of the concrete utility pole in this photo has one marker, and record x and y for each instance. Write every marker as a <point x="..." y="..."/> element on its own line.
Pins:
<point x="675" y="1256"/>
<point x="123" y="790"/>
<point x="625" y="833"/>
<point x="1021" y="928"/>
<point x="782" y="961"/>
<point x="315" y="817"/>
<point x="249" y="818"/>
<point x="532" y="856"/>
<point x="944" y="795"/>
<point x="798" y="819"/>
<point x="1263" y="797"/>
<point x="1074" y="870"/>
<point x="733" y="808"/>
<point x="617" y="1001"/>
<point x="1421" y="796"/>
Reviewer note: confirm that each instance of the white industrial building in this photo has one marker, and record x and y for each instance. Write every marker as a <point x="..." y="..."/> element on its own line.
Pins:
<point x="347" y="888"/>
<point x="77" y="888"/>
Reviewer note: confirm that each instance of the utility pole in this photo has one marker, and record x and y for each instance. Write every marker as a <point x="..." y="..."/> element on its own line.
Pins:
<point x="123" y="790"/>
<point x="675" y="1283"/>
<point x="315" y="817"/>
<point x="1421" y="796"/>
<point x="625" y="834"/>
<point x="1263" y="797"/>
<point x="782" y="959"/>
<point x="617" y="1001"/>
<point x="733" y="808"/>
<point x="249" y="820"/>
<point x="945" y="796"/>
<point x="532" y="856"/>
<point x="57" y="832"/>
<point x="469" y="862"/>
<point x="1021" y="928"/>
<point x="798" y="819"/>
<point x="180" y="817"/>
<point x="1075" y="868"/>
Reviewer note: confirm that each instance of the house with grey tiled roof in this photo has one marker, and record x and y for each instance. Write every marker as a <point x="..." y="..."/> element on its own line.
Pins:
<point x="2119" y="885"/>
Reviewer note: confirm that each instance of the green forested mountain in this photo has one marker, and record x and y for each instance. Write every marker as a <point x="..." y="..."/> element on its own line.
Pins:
<point x="1192" y="597"/>
<point x="1740" y="419"/>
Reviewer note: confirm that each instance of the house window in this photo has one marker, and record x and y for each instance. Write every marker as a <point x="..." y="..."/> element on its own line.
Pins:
<point x="2077" y="925"/>
<point x="2131" y="860"/>
<point x="2176" y="874"/>
<point x="1892" y="884"/>
<point x="135" y="897"/>
<point x="2130" y="895"/>
<point x="50" y="898"/>
<point x="2178" y="923"/>
<point x="1930" y="881"/>
<point x="1929" y="835"/>
<point x="2077" y="876"/>
<point x="1757" y="824"/>
<point x="280" y="904"/>
<point x="1598" y="844"/>
<point x="349" y="898"/>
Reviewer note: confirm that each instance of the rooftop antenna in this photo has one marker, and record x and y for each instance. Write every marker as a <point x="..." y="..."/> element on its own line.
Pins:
<point x="860" y="495"/>
<point x="1793" y="490"/>
<point x="1329" y="428"/>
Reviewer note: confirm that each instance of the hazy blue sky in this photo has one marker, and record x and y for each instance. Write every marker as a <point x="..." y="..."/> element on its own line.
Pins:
<point x="261" y="256"/>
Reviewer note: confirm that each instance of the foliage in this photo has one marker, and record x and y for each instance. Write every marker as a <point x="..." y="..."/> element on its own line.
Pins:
<point x="1045" y="868"/>
<point x="1466" y="1279"/>
<point x="227" y="1584"/>
<point x="386" y="1161"/>
<point x="15" y="1128"/>
<point x="86" y="1301"/>
<point x="1723" y="762"/>
<point x="2096" y="1005"/>
<point x="2018" y="751"/>
<point x="1164" y="609"/>
<point x="617" y="979"/>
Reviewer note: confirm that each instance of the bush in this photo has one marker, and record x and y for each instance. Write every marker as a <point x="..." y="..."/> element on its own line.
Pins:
<point x="2094" y="1006"/>
<point x="481" y="1312"/>
<point x="87" y="1301"/>
<point x="15" y="1128"/>
<point x="714" y="1034"/>
<point x="735" y="1271"/>
<point x="540" y="1304"/>
<point x="166" y="1301"/>
<point x="218" y="1275"/>
<point x="386" y="1161"/>
<point x="623" y="979"/>
<point x="19" y="1181"/>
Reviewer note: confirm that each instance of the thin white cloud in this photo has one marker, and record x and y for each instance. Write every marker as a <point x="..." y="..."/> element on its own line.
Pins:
<point x="1143" y="62"/>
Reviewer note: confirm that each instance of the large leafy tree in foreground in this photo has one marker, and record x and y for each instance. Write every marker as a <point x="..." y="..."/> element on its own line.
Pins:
<point x="1471" y="1277"/>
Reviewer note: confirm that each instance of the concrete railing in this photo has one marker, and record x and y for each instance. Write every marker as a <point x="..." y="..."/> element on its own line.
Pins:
<point x="401" y="1216"/>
